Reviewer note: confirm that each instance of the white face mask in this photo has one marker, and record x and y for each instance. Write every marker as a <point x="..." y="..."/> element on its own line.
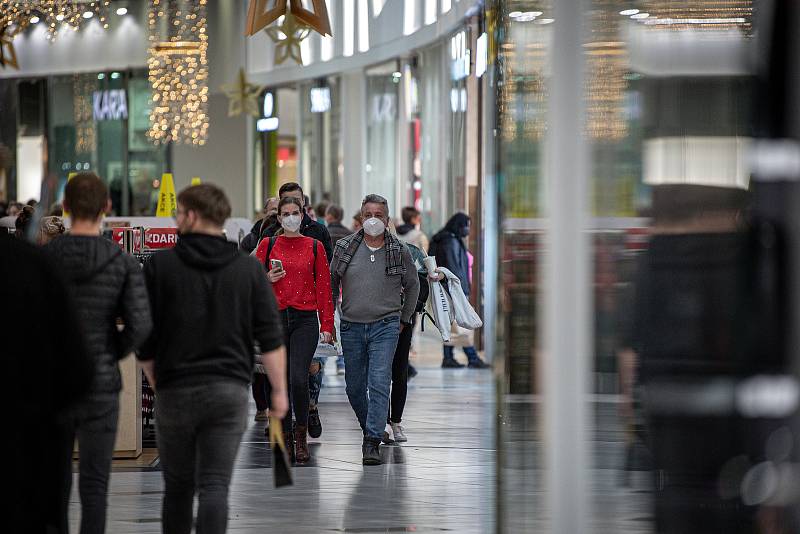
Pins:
<point x="291" y="223"/>
<point x="374" y="227"/>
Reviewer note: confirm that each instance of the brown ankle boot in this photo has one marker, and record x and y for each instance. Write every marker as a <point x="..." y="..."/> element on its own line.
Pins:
<point x="301" y="444"/>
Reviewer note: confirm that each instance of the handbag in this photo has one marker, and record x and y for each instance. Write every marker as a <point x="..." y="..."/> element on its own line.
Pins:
<point x="281" y="468"/>
<point x="461" y="310"/>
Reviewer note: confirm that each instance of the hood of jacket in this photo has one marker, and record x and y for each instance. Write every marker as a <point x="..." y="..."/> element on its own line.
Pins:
<point x="81" y="257"/>
<point x="404" y="229"/>
<point x="206" y="252"/>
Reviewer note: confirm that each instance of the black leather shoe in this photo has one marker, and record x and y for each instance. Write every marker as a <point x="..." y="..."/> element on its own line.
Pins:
<point x="314" y="424"/>
<point x="412" y="372"/>
<point x="371" y="452"/>
<point x="479" y="364"/>
<point x="449" y="363"/>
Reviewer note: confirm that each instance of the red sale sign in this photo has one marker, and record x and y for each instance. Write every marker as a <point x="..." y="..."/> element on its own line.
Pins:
<point x="158" y="238"/>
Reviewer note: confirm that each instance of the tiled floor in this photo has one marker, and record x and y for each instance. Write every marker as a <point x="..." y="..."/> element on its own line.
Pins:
<point x="442" y="480"/>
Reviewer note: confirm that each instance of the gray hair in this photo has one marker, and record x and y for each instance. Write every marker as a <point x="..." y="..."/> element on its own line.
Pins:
<point x="375" y="199"/>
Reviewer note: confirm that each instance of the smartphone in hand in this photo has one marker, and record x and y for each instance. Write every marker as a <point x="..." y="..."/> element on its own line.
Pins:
<point x="276" y="265"/>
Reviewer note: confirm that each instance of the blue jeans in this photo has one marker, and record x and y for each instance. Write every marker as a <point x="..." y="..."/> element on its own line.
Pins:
<point x="369" y="352"/>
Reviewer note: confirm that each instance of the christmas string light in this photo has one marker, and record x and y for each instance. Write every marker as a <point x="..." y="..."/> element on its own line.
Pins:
<point x="16" y="16"/>
<point x="178" y="71"/>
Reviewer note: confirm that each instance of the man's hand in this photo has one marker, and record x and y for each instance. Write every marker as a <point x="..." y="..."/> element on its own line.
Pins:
<point x="403" y="326"/>
<point x="435" y="276"/>
<point x="279" y="404"/>
<point x="274" y="362"/>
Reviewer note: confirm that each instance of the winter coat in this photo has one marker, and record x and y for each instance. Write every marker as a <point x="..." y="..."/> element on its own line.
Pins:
<point x="451" y="253"/>
<point x="338" y="231"/>
<point x="106" y="285"/>
<point x="413" y="236"/>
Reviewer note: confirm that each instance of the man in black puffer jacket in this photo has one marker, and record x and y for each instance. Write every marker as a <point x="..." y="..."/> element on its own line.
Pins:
<point x="106" y="285"/>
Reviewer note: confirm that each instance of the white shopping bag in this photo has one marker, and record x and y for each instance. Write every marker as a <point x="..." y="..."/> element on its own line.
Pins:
<point x="439" y="308"/>
<point x="461" y="310"/>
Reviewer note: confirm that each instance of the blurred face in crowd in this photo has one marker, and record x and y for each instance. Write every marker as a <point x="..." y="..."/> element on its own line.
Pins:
<point x="272" y="207"/>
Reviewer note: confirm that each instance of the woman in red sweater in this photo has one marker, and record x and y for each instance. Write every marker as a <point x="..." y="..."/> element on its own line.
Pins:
<point x="300" y="276"/>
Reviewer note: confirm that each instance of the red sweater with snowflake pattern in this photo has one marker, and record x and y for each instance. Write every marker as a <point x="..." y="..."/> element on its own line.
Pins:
<point x="299" y="289"/>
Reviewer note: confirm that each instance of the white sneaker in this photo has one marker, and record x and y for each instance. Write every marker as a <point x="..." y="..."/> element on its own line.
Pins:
<point x="387" y="436"/>
<point x="399" y="433"/>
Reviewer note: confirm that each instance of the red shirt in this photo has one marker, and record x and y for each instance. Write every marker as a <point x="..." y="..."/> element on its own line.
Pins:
<point x="298" y="289"/>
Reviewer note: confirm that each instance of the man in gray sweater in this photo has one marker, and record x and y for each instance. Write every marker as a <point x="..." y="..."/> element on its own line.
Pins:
<point x="379" y="287"/>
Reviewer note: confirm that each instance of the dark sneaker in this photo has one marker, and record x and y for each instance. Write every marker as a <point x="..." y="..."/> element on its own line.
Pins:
<point x="479" y="364"/>
<point x="449" y="363"/>
<point x="371" y="452"/>
<point x="412" y="372"/>
<point x="261" y="415"/>
<point x="314" y="424"/>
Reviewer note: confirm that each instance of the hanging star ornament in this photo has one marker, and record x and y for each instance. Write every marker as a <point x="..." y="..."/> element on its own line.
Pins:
<point x="8" y="56"/>
<point x="287" y="37"/>
<point x="242" y="96"/>
<point x="259" y="15"/>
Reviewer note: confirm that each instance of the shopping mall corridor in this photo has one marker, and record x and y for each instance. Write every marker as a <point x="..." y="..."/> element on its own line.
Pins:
<point x="442" y="480"/>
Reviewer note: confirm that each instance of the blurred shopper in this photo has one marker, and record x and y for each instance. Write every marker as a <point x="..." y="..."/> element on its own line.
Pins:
<point x="321" y="210"/>
<point x="708" y="318"/>
<point x="379" y="287"/>
<point x="400" y="365"/>
<point x="107" y="285"/>
<point x="210" y="305"/>
<point x="23" y="222"/>
<point x="48" y="372"/>
<point x="308" y="227"/>
<point x="269" y="223"/>
<point x="357" y="220"/>
<point x="409" y="231"/>
<point x="300" y="276"/>
<point x="3" y="208"/>
<point x="450" y="251"/>
<point x="14" y="208"/>
<point x="49" y="229"/>
<point x="336" y="229"/>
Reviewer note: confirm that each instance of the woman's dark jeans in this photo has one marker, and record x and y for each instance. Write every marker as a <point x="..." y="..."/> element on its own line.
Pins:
<point x="400" y="374"/>
<point x="301" y="335"/>
<point x="199" y="429"/>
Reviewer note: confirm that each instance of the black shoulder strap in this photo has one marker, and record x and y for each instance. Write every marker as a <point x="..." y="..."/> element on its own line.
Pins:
<point x="269" y="248"/>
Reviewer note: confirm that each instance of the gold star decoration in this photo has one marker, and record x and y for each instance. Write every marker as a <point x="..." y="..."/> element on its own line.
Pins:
<point x="8" y="56"/>
<point x="287" y="37"/>
<point x="242" y="96"/>
<point x="259" y="15"/>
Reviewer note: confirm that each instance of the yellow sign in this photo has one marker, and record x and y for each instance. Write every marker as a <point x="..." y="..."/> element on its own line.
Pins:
<point x="167" y="203"/>
<point x="196" y="180"/>
<point x="70" y="176"/>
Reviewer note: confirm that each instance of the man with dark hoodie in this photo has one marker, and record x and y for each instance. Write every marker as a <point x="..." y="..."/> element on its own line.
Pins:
<point x="210" y="303"/>
<point x="448" y="247"/>
<point x="107" y="285"/>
